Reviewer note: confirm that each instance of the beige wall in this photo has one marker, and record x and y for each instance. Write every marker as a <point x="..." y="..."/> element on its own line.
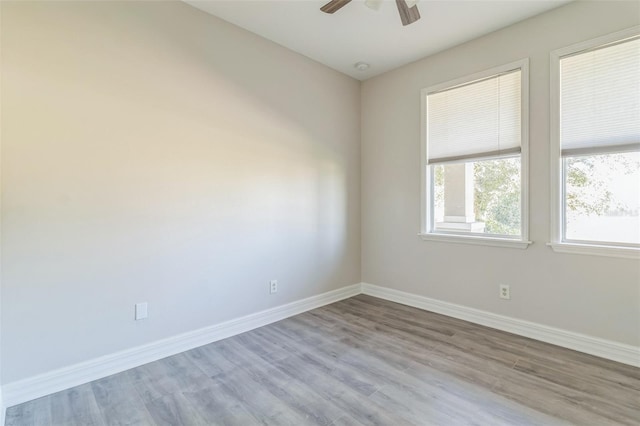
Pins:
<point x="152" y="152"/>
<point x="597" y="296"/>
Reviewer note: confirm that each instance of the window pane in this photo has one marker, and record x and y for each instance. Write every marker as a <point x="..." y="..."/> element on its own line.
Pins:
<point x="602" y="196"/>
<point x="478" y="197"/>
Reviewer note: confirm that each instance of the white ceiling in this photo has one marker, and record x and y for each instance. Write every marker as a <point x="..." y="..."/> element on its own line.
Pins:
<point x="356" y="33"/>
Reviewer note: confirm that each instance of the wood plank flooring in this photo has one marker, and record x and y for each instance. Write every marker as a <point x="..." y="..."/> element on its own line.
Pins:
<point x="361" y="361"/>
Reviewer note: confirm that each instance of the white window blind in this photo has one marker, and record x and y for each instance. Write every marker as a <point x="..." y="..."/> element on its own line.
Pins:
<point x="600" y="100"/>
<point x="476" y="120"/>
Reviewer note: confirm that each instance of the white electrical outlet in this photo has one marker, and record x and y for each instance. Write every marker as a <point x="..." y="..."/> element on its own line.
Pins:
<point x="273" y="286"/>
<point x="505" y="291"/>
<point x="141" y="311"/>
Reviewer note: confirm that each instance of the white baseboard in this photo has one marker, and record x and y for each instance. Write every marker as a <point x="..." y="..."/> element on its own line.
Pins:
<point x="35" y="387"/>
<point x="74" y="375"/>
<point x="615" y="351"/>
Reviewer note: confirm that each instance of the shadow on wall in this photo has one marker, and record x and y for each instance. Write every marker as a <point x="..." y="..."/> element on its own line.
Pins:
<point x="164" y="165"/>
<point x="259" y="145"/>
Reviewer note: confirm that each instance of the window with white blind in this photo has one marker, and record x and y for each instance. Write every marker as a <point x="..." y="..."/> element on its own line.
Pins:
<point x="595" y="135"/>
<point x="475" y="157"/>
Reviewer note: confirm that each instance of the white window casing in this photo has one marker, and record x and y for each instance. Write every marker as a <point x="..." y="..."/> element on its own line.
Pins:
<point x="476" y="118"/>
<point x="595" y="109"/>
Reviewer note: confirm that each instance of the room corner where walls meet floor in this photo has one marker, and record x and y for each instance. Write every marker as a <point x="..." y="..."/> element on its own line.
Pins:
<point x="35" y="387"/>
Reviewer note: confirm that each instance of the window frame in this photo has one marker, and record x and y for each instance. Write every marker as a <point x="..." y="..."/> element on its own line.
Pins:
<point x="427" y="231"/>
<point x="557" y="164"/>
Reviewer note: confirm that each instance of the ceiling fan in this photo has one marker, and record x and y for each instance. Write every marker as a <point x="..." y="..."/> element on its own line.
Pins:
<point x="407" y="9"/>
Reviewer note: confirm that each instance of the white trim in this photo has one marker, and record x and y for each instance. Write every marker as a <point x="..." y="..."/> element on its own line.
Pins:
<point x="597" y="42"/>
<point x="476" y="240"/>
<point x="481" y="75"/>
<point x="596" y="250"/>
<point x="555" y="155"/>
<point x="608" y="349"/>
<point x="425" y="177"/>
<point x="74" y="375"/>
<point x="524" y="151"/>
<point x="426" y="211"/>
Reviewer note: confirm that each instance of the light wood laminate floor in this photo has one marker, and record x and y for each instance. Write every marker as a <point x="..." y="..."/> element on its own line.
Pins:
<point x="361" y="361"/>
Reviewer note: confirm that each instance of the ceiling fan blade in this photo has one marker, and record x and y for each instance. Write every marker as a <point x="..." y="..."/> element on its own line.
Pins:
<point x="334" y="6"/>
<point x="407" y="15"/>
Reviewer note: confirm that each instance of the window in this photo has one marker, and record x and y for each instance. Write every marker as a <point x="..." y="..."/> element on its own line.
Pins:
<point x="596" y="146"/>
<point x="475" y="157"/>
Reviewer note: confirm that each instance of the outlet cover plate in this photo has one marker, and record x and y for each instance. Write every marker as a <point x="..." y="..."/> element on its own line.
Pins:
<point x="505" y="291"/>
<point x="141" y="311"/>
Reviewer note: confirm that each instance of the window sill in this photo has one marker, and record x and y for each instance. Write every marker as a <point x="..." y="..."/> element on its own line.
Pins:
<point x="482" y="241"/>
<point x="596" y="250"/>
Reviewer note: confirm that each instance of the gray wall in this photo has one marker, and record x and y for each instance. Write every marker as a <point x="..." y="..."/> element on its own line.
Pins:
<point x="2" y="411"/>
<point x="152" y="152"/>
<point x="597" y="296"/>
